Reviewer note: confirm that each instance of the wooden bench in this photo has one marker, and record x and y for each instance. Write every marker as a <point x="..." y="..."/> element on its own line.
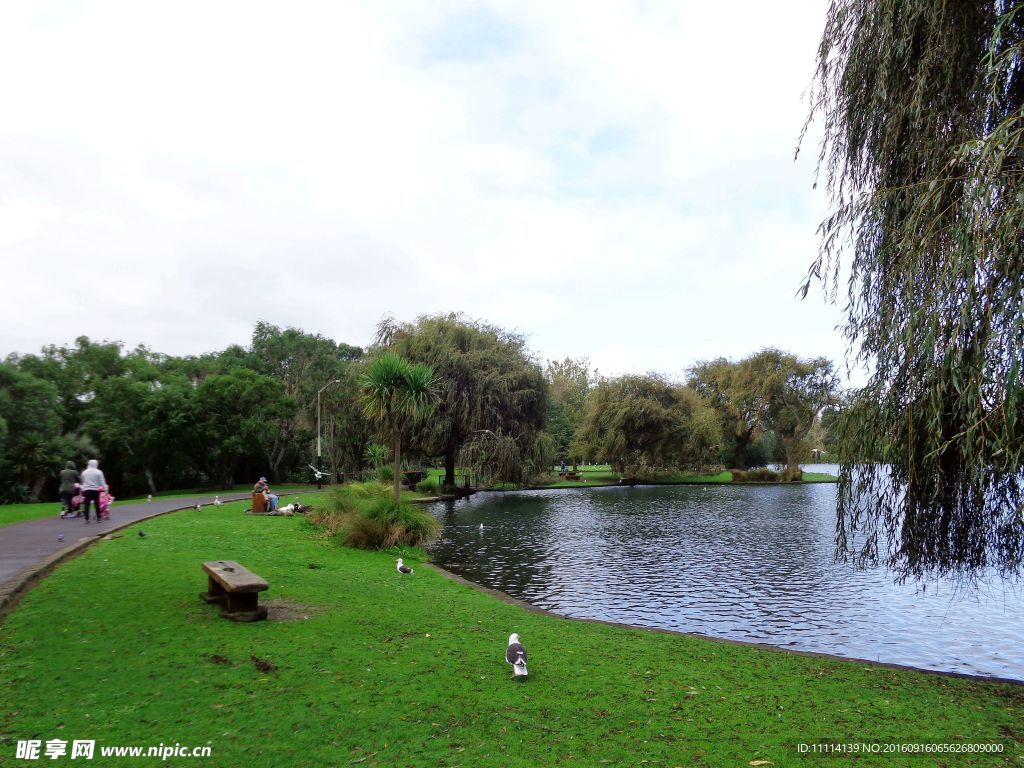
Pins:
<point x="236" y="589"/>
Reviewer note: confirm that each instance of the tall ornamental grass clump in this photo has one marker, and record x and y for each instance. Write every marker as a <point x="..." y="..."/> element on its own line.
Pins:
<point x="428" y="486"/>
<point x="364" y="515"/>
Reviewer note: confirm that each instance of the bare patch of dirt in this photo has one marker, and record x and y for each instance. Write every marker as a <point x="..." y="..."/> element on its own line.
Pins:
<point x="279" y="609"/>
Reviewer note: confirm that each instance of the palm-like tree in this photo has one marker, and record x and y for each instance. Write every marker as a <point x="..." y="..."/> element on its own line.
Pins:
<point x="394" y="391"/>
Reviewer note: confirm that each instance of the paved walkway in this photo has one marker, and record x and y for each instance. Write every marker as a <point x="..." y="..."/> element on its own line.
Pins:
<point x="28" y="549"/>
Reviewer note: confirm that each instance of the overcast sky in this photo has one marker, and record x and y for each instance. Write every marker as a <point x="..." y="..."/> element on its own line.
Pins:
<point x="612" y="179"/>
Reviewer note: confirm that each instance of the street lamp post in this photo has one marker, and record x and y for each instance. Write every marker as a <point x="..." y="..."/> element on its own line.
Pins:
<point x="319" y="457"/>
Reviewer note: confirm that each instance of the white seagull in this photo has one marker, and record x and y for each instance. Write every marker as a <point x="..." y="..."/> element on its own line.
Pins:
<point x="150" y="497"/>
<point x="318" y="475"/>
<point x="217" y="501"/>
<point x="199" y="507"/>
<point x="515" y="655"/>
<point x="402" y="567"/>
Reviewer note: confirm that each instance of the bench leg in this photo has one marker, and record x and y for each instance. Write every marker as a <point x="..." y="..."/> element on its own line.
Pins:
<point x="215" y="593"/>
<point x="243" y="606"/>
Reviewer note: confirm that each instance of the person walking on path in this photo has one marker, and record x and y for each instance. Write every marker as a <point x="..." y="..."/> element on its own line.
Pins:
<point x="68" y="479"/>
<point x="93" y="482"/>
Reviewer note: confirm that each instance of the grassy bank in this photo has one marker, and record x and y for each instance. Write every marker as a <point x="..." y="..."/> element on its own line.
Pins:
<point x="19" y="513"/>
<point x="379" y="669"/>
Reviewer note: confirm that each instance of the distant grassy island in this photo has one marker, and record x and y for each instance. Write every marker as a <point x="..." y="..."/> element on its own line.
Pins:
<point x="599" y="475"/>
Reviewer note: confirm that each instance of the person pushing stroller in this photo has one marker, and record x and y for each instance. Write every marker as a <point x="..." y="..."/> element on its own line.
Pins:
<point x="93" y="482"/>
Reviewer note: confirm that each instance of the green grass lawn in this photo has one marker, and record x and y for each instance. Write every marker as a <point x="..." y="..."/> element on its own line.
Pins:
<point x="19" y="513"/>
<point x="381" y="669"/>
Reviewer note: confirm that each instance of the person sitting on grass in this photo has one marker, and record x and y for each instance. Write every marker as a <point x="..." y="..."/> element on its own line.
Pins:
<point x="262" y="487"/>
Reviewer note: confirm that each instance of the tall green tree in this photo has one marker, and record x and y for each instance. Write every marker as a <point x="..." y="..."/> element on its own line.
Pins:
<point x="799" y="391"/>
<point x="30" y="411"/>
<point x="569" y="383"/>
<point x="238" y="412"/>
<point x="739" y="392"/>
<point x="143" y="421"/>
<point x="346" y="428"/>
<point x="76" y="371"/>
<point x="395" y="392"/>
<point x="303" y="363"/>
<point x="640" y="423"/>
<point x="486" y="380"/>
<point x="768" y="390"/>
<point x="922" y="103"/>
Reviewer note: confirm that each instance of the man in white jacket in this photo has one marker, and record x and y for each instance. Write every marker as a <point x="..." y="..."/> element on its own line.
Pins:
<point x="93" y="482"/>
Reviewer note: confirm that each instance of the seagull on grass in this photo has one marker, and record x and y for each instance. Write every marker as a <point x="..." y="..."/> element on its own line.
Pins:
<point x="515" y="655"/>
<point x="402" y="567"/>
<point x="216" y="501"/>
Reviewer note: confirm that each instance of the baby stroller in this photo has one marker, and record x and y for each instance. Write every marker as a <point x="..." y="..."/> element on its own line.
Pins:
<point x="106" y="501"/>
<point x="75" y="506"/>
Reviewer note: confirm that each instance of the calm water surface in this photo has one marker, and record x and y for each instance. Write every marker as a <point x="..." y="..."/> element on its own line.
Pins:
<point x="742" y="562"/>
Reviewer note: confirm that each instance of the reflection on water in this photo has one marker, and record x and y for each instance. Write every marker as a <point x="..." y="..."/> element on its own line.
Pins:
<point x="743" y="562"/>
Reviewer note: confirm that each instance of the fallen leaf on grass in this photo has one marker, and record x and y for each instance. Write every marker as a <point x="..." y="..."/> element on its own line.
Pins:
<point x="262" y="664"/>
<point x="760" y="762"/>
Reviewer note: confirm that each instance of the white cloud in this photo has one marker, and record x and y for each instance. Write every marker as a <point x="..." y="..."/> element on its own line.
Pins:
<point x="613" y="179"/>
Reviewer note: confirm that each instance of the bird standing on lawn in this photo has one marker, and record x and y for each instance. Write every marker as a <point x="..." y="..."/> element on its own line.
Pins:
<point x="402" y="567"/>
<point x="515" y="655"/>
<point x="217" y="501"/>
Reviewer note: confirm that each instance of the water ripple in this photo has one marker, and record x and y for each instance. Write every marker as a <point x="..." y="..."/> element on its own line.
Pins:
<point x="740" y="562"/>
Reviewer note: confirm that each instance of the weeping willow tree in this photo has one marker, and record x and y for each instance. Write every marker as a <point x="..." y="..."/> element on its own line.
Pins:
<point x="486" y="380"/>
<point x="494" y="457"/>
<point x="922" y="154"/>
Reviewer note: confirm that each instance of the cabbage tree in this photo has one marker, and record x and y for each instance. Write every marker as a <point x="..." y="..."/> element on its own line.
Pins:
<point x="395" y="392"/>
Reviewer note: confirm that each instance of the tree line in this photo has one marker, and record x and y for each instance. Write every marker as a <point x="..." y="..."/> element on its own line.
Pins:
<point x="159" y="422"/>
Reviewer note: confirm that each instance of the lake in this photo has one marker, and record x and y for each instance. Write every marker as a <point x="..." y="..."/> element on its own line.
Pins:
<point x="752" y="563"/>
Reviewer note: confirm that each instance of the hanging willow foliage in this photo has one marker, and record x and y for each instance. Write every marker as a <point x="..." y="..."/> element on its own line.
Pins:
<point x="922" y="153"/>
<point x="494" y="457"/>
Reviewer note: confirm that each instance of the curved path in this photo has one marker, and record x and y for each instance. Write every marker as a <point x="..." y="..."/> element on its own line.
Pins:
<point x="30" y="549"/>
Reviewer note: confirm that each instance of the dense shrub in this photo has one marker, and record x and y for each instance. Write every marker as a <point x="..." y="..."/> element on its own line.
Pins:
<point x="364" y="515"/>
<point x="387" y="524"/>
<point x="429" y="486"/>
<point x="764" y="475"/>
